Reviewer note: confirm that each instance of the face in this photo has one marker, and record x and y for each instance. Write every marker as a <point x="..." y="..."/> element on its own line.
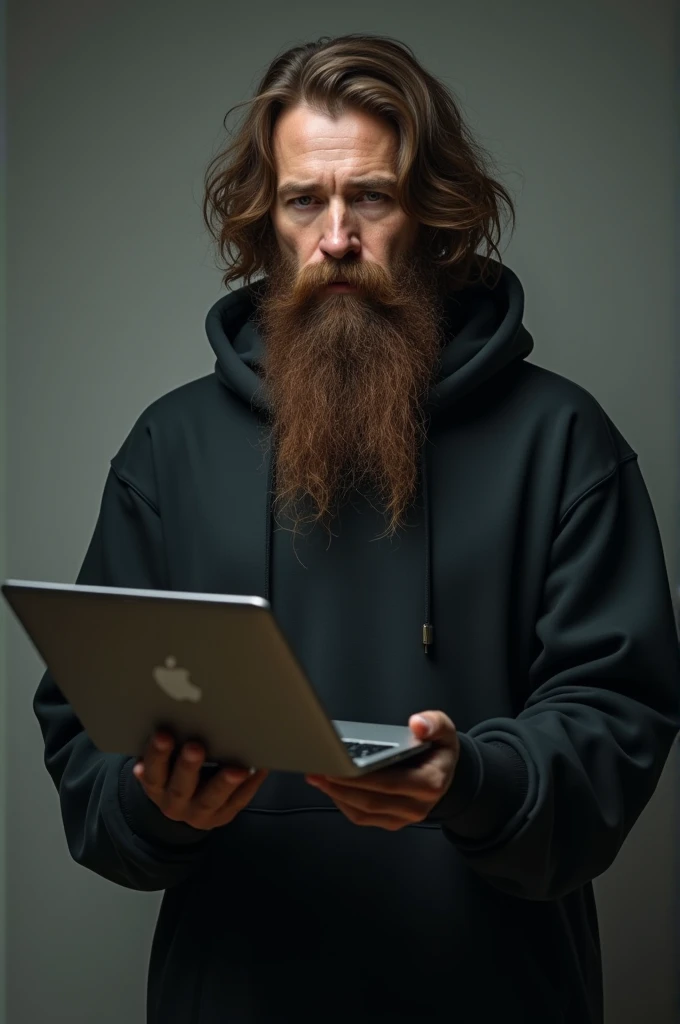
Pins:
<point x="350" y="315"/>
<point x="336" y="189"/>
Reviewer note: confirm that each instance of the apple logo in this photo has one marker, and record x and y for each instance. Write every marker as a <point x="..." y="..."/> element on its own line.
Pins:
<point x="175" y="681"/>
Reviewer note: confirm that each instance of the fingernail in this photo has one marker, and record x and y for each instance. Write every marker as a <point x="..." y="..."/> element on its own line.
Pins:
<point x="426" y="722"/>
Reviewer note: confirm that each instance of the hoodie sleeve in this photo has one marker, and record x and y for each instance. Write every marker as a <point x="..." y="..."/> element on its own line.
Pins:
<point x="545" y="800"/>
<point x="111" y="826"/>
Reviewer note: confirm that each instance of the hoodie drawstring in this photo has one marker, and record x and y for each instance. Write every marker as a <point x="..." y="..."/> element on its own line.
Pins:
<point x="428" y="628"/>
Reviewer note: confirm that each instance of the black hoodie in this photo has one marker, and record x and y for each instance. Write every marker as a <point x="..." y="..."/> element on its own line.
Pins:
<point x="535" y="555"/>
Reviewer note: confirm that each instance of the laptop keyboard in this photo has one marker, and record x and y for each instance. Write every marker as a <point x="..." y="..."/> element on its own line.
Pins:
<point x="355" y="748"/>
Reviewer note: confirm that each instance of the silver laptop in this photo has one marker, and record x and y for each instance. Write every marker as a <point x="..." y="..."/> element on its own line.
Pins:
<point x="207" y="667"/>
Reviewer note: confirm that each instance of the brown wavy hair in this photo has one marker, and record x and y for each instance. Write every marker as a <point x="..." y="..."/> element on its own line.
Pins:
<point x="443" y="180"/>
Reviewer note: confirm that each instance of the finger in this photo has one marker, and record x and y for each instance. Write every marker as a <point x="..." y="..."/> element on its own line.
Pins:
<point x="423" y="781"/>
<point x="432" y="725"/>
<point x="244" y="792"/>
<point x="238" y="795"/>
<point x="156" y="760"/>
<point x="182" y="782"/>
<point x="219" y="790"/>
<point x="376" y="804"/>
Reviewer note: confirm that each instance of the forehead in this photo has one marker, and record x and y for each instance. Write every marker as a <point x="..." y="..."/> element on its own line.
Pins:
<point x="307" y="142"/>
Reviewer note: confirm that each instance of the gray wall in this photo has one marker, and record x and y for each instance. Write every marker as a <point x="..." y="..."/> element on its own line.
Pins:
<point x="3" y="532"/>
<point x="114" y="110"/>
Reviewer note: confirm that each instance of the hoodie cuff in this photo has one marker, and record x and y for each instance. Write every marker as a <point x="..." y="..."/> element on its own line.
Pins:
<point x="488" y="788"/>
<point x="146" y="820"/>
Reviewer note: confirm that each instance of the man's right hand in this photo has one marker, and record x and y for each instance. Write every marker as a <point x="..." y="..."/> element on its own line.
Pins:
<point x="179" y="792"/>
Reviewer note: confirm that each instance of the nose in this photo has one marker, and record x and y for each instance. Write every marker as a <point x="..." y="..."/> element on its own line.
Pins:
<point x="339" y="236"/>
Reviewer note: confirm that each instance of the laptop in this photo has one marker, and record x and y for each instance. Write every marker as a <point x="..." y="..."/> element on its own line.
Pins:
<point x="215" y="668"/>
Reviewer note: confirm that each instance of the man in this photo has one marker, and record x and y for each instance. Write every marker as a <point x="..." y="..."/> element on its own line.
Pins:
<point x="518" y="598"/>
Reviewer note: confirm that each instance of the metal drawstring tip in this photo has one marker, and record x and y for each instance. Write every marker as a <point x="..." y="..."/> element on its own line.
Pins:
<point x="428" y="632"/>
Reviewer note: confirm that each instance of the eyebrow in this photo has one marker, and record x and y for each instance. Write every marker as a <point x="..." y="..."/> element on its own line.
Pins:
<point x="296" y="187"/>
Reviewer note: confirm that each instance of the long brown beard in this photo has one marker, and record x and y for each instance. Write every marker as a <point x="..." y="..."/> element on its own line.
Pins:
<point x="346" y="375"/>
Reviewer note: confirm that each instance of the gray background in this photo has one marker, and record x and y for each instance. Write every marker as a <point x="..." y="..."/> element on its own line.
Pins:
<point x="114" y="110"/>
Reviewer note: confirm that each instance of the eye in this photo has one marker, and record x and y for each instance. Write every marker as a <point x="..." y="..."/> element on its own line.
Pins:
<point x="297" y="200"/>
<point x="305" y="206"/>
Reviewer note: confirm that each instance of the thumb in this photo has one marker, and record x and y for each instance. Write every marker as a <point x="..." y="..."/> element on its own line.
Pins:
<point x="433" y="725"/>
<point x="424" y="724"/>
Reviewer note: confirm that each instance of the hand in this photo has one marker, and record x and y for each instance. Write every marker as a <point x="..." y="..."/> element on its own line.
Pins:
<point x="179" y="796"/>
<point x="396" y="796"/>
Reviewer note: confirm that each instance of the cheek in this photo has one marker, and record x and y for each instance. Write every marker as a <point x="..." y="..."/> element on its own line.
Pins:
<point x="405" y="234"/>
<point x="293" y="241"/>
<point x="390" y="240"/>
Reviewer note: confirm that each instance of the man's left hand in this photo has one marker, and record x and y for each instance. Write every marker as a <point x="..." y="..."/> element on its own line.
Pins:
<point x="395" y="796"/>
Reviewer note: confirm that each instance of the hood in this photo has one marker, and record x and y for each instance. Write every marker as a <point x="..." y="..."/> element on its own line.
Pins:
<point x="483" y="335"/>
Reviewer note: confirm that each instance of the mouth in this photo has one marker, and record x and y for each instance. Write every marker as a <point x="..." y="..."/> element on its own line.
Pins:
<point x="340" y="286"/>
